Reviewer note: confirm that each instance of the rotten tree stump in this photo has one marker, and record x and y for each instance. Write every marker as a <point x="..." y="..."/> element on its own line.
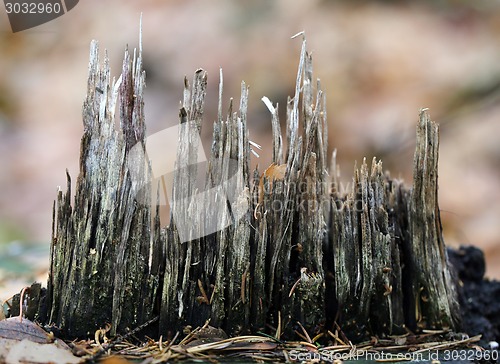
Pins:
<point x="251" y="251"/>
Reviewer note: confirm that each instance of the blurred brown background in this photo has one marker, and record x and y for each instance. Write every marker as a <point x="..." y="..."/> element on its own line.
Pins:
<point x="379" y="62"/>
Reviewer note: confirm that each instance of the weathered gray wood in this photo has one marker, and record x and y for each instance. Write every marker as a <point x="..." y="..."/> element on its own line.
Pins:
<point x="390" y="263"/>
<point x="100" y="269"/>
<point x="280" y="250"/>
<point x="434" y="296"/>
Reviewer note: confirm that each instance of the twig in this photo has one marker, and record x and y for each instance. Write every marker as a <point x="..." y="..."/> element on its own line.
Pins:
<point x="120" y="339"/>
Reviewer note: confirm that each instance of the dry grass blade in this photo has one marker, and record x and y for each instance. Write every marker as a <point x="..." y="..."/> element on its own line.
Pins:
<point x="209" y="346"/>
<point x="308" y="338"/>
<point x="268" y="349"/>
<point x="119" y="339"/>
<point x="337" y="339"/>
<point x="226" y="343"/>
<point x="451" y="344"/>
<point x="192" y="334"/>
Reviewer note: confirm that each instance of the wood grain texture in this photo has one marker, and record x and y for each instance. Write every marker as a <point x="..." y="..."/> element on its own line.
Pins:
<point x="289" y="247"/>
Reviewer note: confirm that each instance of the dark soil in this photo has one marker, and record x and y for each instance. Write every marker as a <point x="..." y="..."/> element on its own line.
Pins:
<point x="479" y="297"/>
